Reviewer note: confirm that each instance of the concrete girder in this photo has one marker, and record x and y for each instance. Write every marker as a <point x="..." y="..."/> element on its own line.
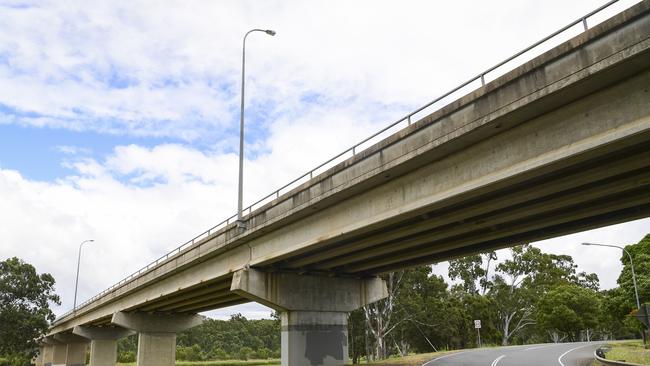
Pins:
<point x="313" y="311"/>
<point x="490" y="221"/>
<point x="182" y="295"/>
<point x="225" y="295"/>
<point x="221" y="305"/>
<point x="229" y="298"/>
<point x="477" y="208"/>
<point x="555" y="218"/>
<point x="623" y="215"/>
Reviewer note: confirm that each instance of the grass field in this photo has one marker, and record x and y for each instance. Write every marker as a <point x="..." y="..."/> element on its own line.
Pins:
<point x="219" y="363"/>
<point x="629" y="351"/>
<point x="414" y="360"/>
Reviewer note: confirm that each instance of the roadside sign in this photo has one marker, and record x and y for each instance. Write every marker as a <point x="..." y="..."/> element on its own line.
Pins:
<point x="477" y="324"/>
<point x="643" y="315"/>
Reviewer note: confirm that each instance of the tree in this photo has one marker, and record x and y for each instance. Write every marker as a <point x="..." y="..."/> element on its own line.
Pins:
<point x="25" y="298"/>
<point x="470" y="270"/>
<point x="567" y="310"/>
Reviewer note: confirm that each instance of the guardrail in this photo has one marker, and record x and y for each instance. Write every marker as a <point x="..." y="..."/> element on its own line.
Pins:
<point x="607" y="362"/>
<point x="350" y="152"/>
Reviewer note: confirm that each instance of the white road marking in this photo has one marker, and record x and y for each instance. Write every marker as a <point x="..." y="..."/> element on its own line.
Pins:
<point x="543" y="346"/>
<point x="559" y="359"/>
<point x="441" y="357"/>
<point x="495" y="362"/>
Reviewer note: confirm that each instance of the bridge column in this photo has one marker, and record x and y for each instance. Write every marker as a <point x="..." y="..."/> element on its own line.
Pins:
<point x="59" y="352"/>
<point x="47" y="349"/>
<point x="156" y="334"/>
<point x="103" y="343"/>
<point x="38" y="360"/>
<point x="75" y="349"/>
<point x="313" y="311"/>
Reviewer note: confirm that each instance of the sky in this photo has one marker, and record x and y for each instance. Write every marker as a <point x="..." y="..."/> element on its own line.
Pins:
<point x="119" y="121"/>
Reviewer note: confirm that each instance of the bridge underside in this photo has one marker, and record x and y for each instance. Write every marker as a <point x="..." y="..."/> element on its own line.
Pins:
<point x="600" y="177"/>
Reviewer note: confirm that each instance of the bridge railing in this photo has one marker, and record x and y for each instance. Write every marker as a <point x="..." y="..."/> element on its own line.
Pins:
<point x="350" y="152"/>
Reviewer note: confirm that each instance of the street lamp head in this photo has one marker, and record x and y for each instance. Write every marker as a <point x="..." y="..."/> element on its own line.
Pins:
<point x="270" y="32"/>
<point x="587" y="244"/>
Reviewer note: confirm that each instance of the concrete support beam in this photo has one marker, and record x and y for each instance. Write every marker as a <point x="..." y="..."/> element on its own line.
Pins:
<point x="313" y="311"/>
<point x="157" y="334"/>
<point x="103" y="343"/>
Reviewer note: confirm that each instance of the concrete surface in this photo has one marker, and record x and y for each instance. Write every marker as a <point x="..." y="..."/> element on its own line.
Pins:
<point x="313" y="310"/>
<point x="103" y="343"/>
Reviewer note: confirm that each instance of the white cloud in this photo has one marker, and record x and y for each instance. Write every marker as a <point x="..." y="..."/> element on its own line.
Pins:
<point x="173" y="70"/>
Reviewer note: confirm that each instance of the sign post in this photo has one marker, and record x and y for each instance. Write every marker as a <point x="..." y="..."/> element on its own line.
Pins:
<point x="477" y="325"/>
<point x="643" y="315"/>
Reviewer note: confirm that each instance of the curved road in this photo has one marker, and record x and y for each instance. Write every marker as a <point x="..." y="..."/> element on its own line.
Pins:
<point x="557" y="354"/>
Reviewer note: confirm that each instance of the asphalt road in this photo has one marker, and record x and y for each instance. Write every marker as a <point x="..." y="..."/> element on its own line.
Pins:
<point x="556" y="354"/>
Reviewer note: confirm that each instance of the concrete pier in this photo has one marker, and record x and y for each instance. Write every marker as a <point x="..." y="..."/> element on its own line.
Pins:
<point x="313" y="310"/>
<point x="103" y="343"/>
<point x="75" y="349"/>
<point x="47" y="351"/>
<point x="156" y="334"/>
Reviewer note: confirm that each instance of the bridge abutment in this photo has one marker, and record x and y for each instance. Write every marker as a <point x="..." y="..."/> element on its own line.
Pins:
<point x="156" y="334"/>
<point x="313" y="311"/>
<point x="103" y="343"/>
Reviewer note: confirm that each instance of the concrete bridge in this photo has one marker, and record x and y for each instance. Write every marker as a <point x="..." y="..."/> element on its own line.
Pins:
<point x="558" y="145"/>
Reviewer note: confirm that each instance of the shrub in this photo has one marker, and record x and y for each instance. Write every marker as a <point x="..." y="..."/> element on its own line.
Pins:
<point x="245" y="353"/>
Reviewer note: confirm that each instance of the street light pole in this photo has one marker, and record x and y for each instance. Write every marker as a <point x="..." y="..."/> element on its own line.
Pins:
<point x="240" y="193"/>
<point x="636" y="289"/>
<point x="76" y="283"/>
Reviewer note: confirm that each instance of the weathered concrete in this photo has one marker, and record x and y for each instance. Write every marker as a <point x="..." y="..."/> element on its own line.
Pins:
<point x="76" y="354"/>
<point x="157" y="334"/>
<point x="103" y="343"/>
<point x="75" y="349"/>
<point x="48" y="354"/>
<point x="156" y="349"/>
<point x="59" y="354"/>
<point x="156" y="323"/>
<point x="313" y="311"/>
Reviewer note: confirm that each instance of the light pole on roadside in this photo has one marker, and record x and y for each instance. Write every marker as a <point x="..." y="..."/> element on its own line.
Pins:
<point x="240" y="193"/>
<point x="76" y="283"/>
<point x="636" y="290"/>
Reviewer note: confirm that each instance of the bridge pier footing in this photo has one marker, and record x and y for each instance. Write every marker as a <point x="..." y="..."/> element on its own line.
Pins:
<point x="313" y="311"/>
<point x="156" y="334"/>
<point x="103" y="343"/>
